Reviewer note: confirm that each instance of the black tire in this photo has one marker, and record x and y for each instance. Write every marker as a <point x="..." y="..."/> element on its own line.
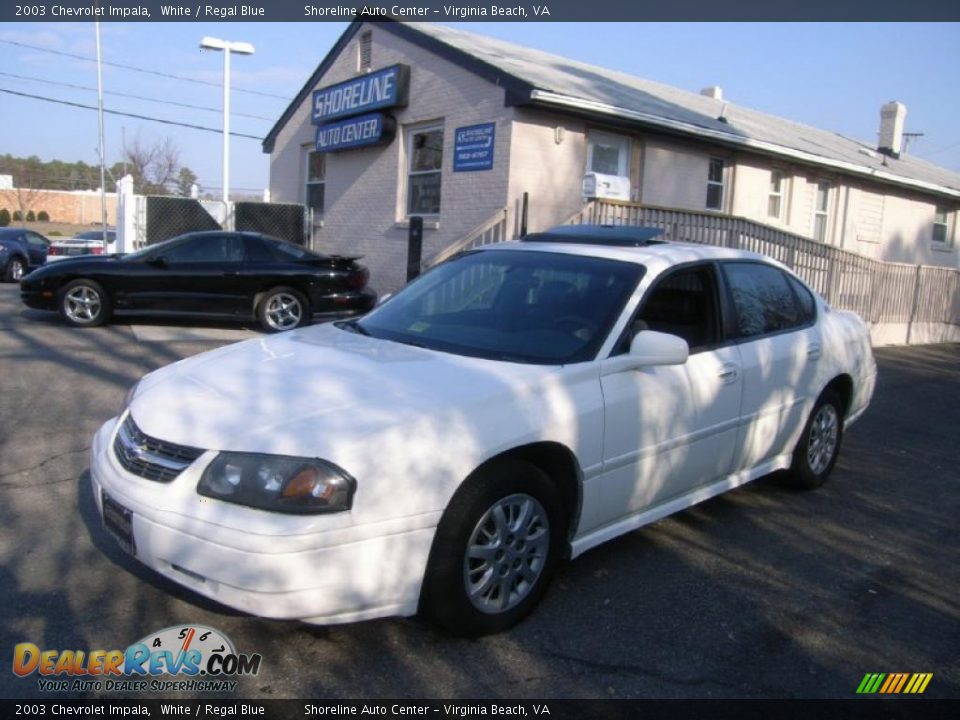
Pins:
<point x="281" y="309"/>
<point x="819" y="445"/>
<point x="523" y="555"/>
<point x="84" y="303"/>
<point x="16" y="269"/>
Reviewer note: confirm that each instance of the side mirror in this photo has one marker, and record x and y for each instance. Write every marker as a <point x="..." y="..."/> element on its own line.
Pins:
<point x="159" y="261"/>
<point x="648" y="349"/>
<point x="651" y="348"/>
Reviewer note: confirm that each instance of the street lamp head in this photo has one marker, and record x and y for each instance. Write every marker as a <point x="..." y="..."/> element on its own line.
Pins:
<point x="212" y="43"/>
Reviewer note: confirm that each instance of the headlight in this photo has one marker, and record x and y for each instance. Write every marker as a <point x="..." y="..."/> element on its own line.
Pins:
<point x="278" y="483"/>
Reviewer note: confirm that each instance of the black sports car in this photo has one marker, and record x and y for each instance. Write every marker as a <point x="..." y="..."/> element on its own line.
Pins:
<point x="213" y="274"/>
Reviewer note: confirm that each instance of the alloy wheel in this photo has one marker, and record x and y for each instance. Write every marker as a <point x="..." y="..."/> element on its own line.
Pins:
<point x="283" y="311"/>
<point x="824" y="431"/>
<point x="506" y="553"/>
<point x="82" y="304"/>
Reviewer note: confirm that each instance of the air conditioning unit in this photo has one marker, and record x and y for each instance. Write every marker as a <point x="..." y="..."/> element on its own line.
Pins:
<point x="606" y="187"/>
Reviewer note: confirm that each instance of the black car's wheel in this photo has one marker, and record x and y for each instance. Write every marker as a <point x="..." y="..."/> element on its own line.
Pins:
<point x="84" y="303"/>
<point x="15" y="270"/>
<point x="495" y="551"/>
<point x="282" y="309"/>
<point x="818" y="447"/>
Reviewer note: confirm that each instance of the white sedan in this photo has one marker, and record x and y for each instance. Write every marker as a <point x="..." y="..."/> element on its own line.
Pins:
<point x="516" y="405"/>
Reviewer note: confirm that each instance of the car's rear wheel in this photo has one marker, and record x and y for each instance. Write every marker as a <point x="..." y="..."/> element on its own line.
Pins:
<point x="84" y="303"/>
<point x="495" y="551"/>
<point x="282" y="309"/>
<point x="15" y="270"/>
<point x="816" y="452"/>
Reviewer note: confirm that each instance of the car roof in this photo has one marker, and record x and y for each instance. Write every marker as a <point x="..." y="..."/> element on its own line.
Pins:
<point x="8" y="231"/>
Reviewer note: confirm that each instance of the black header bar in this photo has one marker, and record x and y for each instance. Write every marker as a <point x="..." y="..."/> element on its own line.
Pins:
<point x="462" y="11"/>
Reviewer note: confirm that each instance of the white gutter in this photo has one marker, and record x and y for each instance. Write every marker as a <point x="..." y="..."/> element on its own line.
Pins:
<point x="567" y="101"/>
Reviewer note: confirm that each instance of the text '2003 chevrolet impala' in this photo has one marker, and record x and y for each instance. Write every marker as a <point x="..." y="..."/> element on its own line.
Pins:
<point x="516" y="405"/>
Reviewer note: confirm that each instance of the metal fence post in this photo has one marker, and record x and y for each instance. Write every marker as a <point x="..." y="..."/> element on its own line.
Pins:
<point x="523" y="214"/>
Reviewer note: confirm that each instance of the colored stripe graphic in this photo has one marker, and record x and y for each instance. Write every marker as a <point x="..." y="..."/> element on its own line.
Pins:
<point x="894" y="683"/>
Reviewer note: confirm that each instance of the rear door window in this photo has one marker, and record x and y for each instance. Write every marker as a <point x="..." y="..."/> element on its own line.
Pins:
<point x="764" y="302"/>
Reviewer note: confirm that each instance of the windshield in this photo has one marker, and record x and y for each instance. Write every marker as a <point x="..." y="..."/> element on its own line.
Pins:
<point x="149" y="249"/>
<point x="531" y="307"/>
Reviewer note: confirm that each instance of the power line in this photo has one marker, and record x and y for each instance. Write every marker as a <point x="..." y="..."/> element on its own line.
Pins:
<point x="134" y="97"/>
<point x="146" y="71"/>
<point x="130" y="115"/>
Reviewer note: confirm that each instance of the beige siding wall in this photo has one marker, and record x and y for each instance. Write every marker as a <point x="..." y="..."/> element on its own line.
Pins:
<point x="550" y="171"/>
<point x="675" y="175"/>
<point x="365" y="189"/>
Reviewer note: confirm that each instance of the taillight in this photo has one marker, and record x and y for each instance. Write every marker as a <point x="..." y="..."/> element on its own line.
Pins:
<point x="98" y="251"/>
<point x="358" y="279"/>
<point x="53" y="251"/>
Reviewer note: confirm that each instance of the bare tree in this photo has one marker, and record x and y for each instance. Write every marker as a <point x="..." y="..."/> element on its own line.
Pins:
<point x="155" y="168"/>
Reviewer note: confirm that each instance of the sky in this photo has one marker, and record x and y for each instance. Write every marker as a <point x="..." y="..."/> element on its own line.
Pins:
<point x="832" y="76"/>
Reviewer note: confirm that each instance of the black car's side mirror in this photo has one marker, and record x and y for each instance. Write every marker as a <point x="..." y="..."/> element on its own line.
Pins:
<point x="159" y="261"/>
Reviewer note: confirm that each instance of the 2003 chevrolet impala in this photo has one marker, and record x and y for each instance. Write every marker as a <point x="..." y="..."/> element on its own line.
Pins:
<point x="514" y="406"/>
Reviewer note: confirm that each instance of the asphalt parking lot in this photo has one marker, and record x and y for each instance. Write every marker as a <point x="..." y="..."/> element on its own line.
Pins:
<point x="762" y="592"/>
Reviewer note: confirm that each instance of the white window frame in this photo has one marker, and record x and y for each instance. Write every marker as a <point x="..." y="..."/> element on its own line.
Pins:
<point x="621" y="142"/>
<point x="722" y="183"/>
<point x="776" y="192"/>
<point x="944" y="223"/>
<point x="308" y="182"/>
<point x="409" y="172"/>
<point x="822" y="214"/>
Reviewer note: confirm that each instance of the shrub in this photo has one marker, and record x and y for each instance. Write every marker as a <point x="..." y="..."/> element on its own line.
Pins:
<point x="17" y="216"/>
<point x="31" y="216"/>
<point x="4" y="217"/>
<point x="43" y="216"/>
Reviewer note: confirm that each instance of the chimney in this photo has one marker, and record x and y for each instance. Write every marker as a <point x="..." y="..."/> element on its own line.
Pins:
<point x="892" y="116"/>
<point x="714" y="91"/>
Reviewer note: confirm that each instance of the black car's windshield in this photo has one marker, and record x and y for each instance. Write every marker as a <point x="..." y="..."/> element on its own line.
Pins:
<point x="150" y="249"/>
<point x="532" y="307"/>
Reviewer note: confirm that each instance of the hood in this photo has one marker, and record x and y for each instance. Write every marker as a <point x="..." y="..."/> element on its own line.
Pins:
<point x="305" y="391"/>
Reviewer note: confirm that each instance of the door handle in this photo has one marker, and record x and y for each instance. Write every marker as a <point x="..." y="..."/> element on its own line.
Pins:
<point x="727" y="374"/>
<point x="814" y="351"/>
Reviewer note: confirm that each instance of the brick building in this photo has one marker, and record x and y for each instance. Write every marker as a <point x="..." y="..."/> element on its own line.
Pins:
<point x="414" y="119"/>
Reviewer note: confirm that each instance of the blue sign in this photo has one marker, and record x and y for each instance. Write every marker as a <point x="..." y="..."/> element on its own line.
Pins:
<point x="362" y="131"/>
<point x="385" y="88"/>
<point x="473" y="147"/>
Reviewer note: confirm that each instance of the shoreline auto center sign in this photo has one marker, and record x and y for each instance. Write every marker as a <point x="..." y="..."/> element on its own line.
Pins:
<point x="350" y="104"/>
<point x="473" y="147"/>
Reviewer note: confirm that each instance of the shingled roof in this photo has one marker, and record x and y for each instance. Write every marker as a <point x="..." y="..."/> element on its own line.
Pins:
<point x="536" y="78"/>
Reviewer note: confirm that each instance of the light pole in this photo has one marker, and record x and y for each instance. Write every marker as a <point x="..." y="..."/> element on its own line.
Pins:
<point x="241" y="48"/>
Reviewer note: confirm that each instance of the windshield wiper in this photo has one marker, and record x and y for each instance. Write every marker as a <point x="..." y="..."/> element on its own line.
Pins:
<point x="353" y="326"/>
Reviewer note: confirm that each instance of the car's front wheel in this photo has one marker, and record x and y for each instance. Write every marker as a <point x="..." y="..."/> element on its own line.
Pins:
<point x="495" y="551"/>
<point x="819" y="445"/>
<point x="84" y="303"/>
<point x="15" y="270"/>
<point x="282" y="309"/>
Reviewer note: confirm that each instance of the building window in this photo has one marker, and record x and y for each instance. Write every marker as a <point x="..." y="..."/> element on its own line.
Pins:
<point x="775" y="197"/>
<point x="608" y="154"/>
<point x="425" y="149"/>
<point x="821" y="211"/>
<point x="941" y="222"/>
<point x="715" y="180"/>
<point x="365" y="51"/>
<point x="316" y="177"/>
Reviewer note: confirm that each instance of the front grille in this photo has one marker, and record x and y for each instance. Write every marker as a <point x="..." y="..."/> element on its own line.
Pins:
<point x="149" y="457"/>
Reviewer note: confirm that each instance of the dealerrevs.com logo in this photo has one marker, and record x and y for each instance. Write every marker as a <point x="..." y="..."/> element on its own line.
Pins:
<point x="200" y="658"/>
